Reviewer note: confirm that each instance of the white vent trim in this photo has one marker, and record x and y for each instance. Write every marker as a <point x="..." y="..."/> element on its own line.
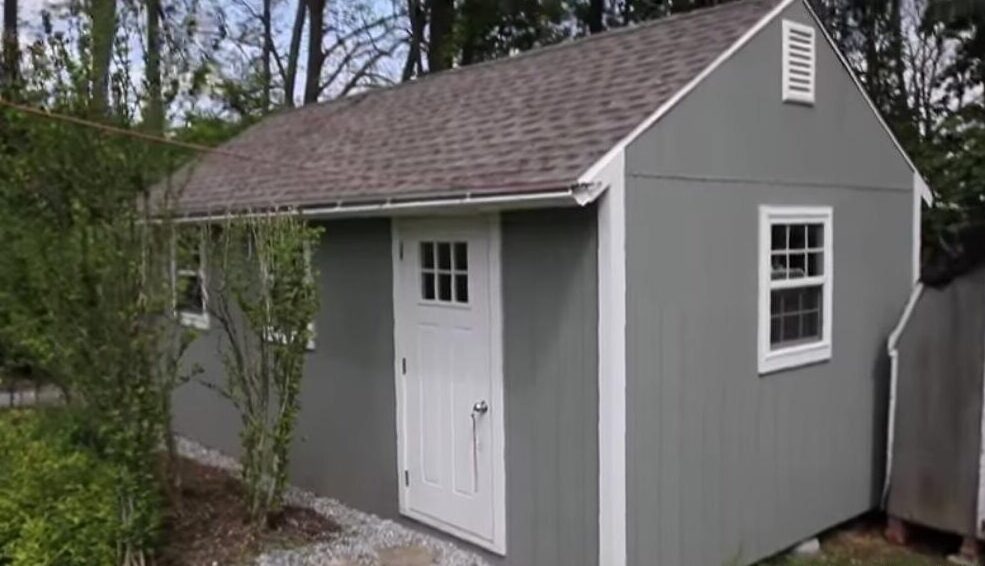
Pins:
<point x="799" y="62"/>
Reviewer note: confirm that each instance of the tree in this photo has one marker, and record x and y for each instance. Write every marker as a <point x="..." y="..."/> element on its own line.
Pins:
<point x="102" y="14"/>
<point x="11" y="45"/>
<point x="154" y="108"/>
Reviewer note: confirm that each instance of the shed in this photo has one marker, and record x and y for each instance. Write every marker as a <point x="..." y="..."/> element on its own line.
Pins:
<point x="936" y="472"/>
<point x="656" y="266"/>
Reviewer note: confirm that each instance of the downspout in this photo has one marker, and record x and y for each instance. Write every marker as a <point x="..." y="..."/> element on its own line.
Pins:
<point x="893" y="350"/>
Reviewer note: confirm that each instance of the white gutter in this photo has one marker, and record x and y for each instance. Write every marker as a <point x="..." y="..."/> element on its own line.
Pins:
<point x="892" y="347"/>
<point x="565" y="197"/>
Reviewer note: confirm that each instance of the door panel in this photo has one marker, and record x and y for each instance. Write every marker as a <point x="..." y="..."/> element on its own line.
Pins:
<point x="448" y="394"/>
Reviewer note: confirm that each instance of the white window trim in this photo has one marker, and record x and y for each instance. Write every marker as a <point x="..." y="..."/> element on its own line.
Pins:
<point x="790" y="95"/>
<point x="187" y="318"/>
<point x="801" y="354"/>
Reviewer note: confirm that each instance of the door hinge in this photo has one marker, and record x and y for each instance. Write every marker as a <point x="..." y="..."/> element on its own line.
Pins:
<point x="403" y="365"/>
<point x="407" y="477"/>
<point x="401" y="251"/>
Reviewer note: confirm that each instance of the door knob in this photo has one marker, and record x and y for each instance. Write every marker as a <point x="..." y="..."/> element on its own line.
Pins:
<point x="480" y="408"/>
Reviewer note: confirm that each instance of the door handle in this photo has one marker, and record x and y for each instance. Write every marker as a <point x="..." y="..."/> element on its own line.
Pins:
<point x="478" y="409"/>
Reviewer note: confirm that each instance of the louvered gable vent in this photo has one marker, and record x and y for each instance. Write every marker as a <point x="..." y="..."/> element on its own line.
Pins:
<point x="798" y="63"/>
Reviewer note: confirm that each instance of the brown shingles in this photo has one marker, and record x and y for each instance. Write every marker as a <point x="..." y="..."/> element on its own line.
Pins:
<point x="531" y="122"/>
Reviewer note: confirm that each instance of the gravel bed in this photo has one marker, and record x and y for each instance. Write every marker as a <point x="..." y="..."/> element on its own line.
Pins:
<point x="362" y="537"/>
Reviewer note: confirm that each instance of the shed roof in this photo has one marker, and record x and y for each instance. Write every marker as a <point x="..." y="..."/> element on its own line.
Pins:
<point x="528" y="123"/>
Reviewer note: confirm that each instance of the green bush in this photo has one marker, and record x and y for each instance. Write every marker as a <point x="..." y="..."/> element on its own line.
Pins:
<point x="57" y="501"/>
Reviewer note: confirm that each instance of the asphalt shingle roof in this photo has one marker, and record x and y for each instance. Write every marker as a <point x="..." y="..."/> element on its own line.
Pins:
<point x="535" y="121"/>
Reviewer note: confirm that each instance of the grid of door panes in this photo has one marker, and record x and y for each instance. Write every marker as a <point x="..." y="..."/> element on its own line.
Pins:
<point x="445" y="272"/>
<point x="797" y="283"/>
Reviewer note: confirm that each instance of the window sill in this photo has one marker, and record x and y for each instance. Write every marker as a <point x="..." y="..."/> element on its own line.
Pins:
<point x="794" y="357"/>
<point x="194" y="320"/>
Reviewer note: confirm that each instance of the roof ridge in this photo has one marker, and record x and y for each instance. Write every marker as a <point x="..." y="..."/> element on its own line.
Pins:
<point x="536" y="51"/>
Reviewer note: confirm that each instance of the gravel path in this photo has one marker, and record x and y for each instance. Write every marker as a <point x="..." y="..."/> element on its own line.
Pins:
<point x="365" y="538"/>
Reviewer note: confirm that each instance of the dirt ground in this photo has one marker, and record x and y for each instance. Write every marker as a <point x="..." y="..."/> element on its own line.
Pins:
<point x="861" y="543"/>
<point x="208" y="523"/>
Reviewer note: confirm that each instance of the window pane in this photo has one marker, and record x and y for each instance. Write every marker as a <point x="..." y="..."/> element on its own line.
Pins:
<point x="776" y="329"/>
<point x="190" y="298"/>
<point x="798" y="266"/>
<point x="791" y="328"/>
<point x="462" y="288"/>
<point x="815" y="264"/>
<point x="444" y="255"/>
<point x="444" y="285"/>
<point x="815" y="235"/>
<point x="427" y="255"/>
<point x="789" y="300"/>
<point x="461" y="256"/>
<point x="779" y="267"/>
<point x="812" y="325"/>
<point x="798" y="237"/>
<point x="427" y="286"/>
<point x="779" y="237"/>
<point x="811" y="298"/>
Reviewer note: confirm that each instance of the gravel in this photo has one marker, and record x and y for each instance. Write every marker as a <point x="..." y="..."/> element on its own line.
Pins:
<point x="363" y="535"/>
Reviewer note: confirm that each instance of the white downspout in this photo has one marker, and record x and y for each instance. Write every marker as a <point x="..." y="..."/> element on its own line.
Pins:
<point x="892" y="347"/>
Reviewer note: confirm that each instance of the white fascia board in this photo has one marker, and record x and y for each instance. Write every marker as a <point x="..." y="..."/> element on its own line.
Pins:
<point x="590" y="176"/>
<point x="922" y="187"/>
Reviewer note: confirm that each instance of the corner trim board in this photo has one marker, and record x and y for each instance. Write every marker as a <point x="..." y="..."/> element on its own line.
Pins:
<point x="612" y="363"/>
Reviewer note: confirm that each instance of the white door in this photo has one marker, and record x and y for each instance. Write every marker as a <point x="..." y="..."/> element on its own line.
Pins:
<point x="449" y="376"/>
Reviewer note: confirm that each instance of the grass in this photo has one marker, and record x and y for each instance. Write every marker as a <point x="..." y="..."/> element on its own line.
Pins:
<point x="861" y="544"/>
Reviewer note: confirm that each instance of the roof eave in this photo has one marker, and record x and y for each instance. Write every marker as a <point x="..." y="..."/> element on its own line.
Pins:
<point x="466" y="202"/>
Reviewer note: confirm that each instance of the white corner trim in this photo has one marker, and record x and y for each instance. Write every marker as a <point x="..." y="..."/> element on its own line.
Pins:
<point x="891" y="348"/>
<point x="594" y="170"/>
<point x="770" y="360"/>
<point x="612" y="361"/>
<point x="919" y="187"/>
<point x="925" y="192"/>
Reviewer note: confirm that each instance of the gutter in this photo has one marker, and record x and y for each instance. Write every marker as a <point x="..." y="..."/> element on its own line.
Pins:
<point x="576" y="195"/>
<point x="892" y="347"/>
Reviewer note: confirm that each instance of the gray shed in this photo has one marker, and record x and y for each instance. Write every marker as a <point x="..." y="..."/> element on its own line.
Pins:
<point x="657" y="267"/>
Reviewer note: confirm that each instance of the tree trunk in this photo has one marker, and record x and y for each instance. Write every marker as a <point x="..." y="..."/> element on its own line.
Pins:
<point x="596" y="11"/>
<point x="294" y="53"/>
<point x="412" y="66"/>
<point x="103" y="18"/>
<point x="440" y="48"/>
<point x="154" y="111"/>
<point x="11" y="47"/>
<point x="268" y="42"/>
<point x="316" y="32"/>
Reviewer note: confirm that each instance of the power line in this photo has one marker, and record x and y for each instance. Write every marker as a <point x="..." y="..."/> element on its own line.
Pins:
<point x="145" y="136"/>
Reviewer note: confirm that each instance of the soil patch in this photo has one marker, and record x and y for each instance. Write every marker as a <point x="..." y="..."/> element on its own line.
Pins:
<point x="208" y="523"/>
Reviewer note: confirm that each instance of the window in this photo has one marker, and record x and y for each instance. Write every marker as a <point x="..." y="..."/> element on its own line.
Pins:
<point x="795" y="280"/>
<point x="798" y="63"/>
<point x="445" y="272"/>
<point x="191" y="294"/>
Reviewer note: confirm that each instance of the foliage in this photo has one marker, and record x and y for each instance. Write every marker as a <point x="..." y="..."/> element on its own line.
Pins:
<point x="86" y="295"/>
<point x="58" y="501"/>
<point x="264" y="297"/>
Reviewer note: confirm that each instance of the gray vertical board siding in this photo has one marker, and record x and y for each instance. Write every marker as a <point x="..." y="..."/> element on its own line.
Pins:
<point x="938" y="440"/>
<point x="346" y="437"/>
<point x="345" y="442"/>
<point x="724" y="464"/>
<point x="550" y="303"/>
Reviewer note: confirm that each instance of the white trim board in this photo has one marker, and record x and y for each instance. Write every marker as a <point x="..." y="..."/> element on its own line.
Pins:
<point x="612" y="364"/>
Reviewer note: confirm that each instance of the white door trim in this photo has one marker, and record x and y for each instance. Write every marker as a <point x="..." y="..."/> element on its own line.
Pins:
<point x="497" y="543"/>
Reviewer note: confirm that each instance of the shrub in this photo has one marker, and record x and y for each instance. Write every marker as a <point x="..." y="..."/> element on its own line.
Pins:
<point x="58" y="501"/>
